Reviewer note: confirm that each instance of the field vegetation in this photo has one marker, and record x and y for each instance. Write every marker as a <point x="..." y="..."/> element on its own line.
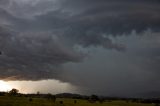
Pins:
<point x="13" y="98"/>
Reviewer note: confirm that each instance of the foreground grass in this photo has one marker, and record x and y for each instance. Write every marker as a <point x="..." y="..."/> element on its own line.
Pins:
<point x="24" y="101"/>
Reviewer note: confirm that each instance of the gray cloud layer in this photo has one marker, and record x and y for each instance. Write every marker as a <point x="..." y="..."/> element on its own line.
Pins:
<point x="130" y="73"/>
<point x="37" y="38"/>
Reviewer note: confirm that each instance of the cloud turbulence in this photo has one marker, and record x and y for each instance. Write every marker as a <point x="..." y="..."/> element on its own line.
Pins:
<point x="38" y="38"/>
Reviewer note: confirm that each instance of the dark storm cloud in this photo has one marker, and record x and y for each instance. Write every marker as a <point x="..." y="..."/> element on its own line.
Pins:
<point x="34" y="56"/>
<point x="129" y="73"/>
<point x="39" y="37"/>
<point x="118" y="17"/>
<point x="90" y="23"/>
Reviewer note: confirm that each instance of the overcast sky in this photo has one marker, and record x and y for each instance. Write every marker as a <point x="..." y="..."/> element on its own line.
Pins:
<point x="105" y="47"/>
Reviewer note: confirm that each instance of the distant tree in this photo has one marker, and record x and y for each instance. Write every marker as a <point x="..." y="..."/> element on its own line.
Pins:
<point x="13" y="91"/>
<point x="38" y="93"/>
<point x="94" y="97"/>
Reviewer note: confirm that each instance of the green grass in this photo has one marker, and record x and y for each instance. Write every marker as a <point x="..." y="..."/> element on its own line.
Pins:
<point x="24" y="101"/>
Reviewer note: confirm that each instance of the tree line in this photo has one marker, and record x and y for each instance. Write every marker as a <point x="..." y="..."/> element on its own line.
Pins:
<point x="91" y="99"/>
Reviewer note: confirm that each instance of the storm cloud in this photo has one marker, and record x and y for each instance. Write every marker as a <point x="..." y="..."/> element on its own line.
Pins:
<point x="38" y="39"/>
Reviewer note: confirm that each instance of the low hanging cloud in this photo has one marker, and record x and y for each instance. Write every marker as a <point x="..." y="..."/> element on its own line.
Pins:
<point x="32" y="56"/>
<point x="39" y="38"/>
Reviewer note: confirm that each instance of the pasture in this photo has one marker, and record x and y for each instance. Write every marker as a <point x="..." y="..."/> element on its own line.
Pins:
<point x="27" y="101"/>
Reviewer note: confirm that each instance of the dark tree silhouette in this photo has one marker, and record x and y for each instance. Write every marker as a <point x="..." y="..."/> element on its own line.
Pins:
<point x="13" y="91"/>
<point x="38" y="93"/>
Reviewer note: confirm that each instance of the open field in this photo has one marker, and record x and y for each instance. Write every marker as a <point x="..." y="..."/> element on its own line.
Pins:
<point x="26" y="101"/>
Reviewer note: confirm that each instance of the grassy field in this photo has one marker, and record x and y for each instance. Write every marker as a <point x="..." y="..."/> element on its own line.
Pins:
<point x="25" y="101"/>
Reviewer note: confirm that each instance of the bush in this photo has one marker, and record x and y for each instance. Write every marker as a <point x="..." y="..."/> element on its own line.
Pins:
<point x="61" y="102"/>
<point x="30" y="99"/>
